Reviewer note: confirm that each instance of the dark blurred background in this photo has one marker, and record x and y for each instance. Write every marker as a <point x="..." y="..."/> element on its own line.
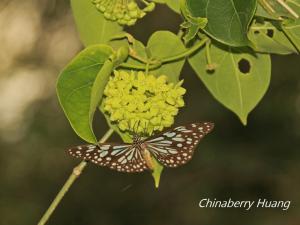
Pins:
<point x="38" y="38"/>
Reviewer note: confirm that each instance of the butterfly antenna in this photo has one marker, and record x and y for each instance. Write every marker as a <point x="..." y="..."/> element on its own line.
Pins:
<point x="135" y="128"/>
<point x="145" y="130"/>
<point x="138" y="125"/>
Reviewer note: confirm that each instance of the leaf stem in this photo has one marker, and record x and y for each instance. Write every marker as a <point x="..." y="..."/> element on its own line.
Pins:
<point x="188" y="52"/>
<point x="75" y="174"/>
<point x="140" y="67"/>
<point x="158" y="64"/>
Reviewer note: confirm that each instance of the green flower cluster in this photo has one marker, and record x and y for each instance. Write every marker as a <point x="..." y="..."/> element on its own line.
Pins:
<point x="142" y="103"/>
<point x="124" y="12"/>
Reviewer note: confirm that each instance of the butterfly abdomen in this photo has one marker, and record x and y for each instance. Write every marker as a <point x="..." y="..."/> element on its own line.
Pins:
<point x="147" y="157"/>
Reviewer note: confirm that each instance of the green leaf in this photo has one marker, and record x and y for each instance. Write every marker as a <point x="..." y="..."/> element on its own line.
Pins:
<point x="93" y="28"/>
<point x="195" y="25"/>
<point x="139" y="50"/>
<point x="74" y="88"/>
<point x="291" y="27"/>
<point x="261" y="12"/>
<point x="164" y="44"/>
<point x="278" y="9"/>
<point x="173" y="4"/>
<point x="240" y="79"/>
<point x="99" y="86"/>
<point x="268" y="39"/>
<point x="156" y="173"/>
<point x="192" y="25"/>
<point x="228" y="21"/>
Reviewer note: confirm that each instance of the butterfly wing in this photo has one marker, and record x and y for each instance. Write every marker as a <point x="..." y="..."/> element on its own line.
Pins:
<point x="176" y="147"/>
<point x="122" y="157"/>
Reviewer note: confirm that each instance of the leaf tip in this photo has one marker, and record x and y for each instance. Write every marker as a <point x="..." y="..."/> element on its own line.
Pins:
<point x="158" y="168"/>
<point x="244" y="120"/>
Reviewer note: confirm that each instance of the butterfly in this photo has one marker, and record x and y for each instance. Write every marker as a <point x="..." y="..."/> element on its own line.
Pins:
<point x="172" y="148"/>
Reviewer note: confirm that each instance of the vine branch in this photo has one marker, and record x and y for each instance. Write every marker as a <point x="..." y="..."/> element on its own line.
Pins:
<point x="75" y="174"/>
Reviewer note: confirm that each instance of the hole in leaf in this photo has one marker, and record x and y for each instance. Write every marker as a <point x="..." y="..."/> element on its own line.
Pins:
<point x="244" y="66"/>
<point x="256" y="32"/>
<point x="270" y="33"/>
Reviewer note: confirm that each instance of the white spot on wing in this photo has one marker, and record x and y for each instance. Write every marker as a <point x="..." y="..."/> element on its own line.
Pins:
<point x="104" y="147"/>
<point x="178" y="139"/>
<point x="156" y="139"/>
<point x="103" y="154"/>
<point x="170" y="134"/>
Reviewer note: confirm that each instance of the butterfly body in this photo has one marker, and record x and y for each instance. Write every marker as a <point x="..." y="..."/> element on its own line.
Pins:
<point x="147" y="157"/>
<point x="171" y="148"/>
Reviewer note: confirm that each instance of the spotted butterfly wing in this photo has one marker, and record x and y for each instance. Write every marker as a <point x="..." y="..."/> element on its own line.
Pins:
<point x="122" y="157"/>
<point x="176" y="147"/>
<point x="172" y="148"/>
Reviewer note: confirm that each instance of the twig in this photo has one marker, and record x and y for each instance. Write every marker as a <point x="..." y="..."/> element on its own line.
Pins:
<point x="75" y="174"/>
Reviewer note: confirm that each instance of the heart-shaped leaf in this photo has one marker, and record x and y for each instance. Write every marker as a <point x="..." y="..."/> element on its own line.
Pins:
<point x="240" y="79"/>
<point x="74" y="87"/>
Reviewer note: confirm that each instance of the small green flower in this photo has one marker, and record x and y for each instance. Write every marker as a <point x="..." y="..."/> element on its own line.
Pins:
<point x="142" y="103"/>
<point x="124" y="12"/>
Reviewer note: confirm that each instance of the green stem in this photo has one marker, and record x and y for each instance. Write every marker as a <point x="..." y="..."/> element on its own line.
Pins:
<point x="140" y="67"/>
<point x="153" y="66"/>
<point x="75" y="174"/>
<point x="188" y="52"/>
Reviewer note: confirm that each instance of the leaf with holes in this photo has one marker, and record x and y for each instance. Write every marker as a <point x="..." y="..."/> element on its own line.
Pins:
<point x="74" y="87"/>
<point x="240" y="80"/>
<point x="93" y="28"/>
<point x="228" y="21"/>
<point x="268" y="39"/>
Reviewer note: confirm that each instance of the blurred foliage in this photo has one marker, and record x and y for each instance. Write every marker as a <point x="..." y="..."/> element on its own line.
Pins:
<point x="257" y="161"/>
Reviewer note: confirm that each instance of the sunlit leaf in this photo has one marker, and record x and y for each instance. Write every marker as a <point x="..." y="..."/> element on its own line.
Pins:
<point x="74" y="87"/>
<point x="269" y="39"/>
<point x="240" y="79"/>
<point x="93" y="28"/>
<point x="164" y="44"/>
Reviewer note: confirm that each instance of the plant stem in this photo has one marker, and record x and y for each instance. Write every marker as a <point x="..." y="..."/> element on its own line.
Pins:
<point x="168" y="59"/>
<point x="75" y="174"/>
<point x="140" y="67"/>
<point x="188" y="52"/>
